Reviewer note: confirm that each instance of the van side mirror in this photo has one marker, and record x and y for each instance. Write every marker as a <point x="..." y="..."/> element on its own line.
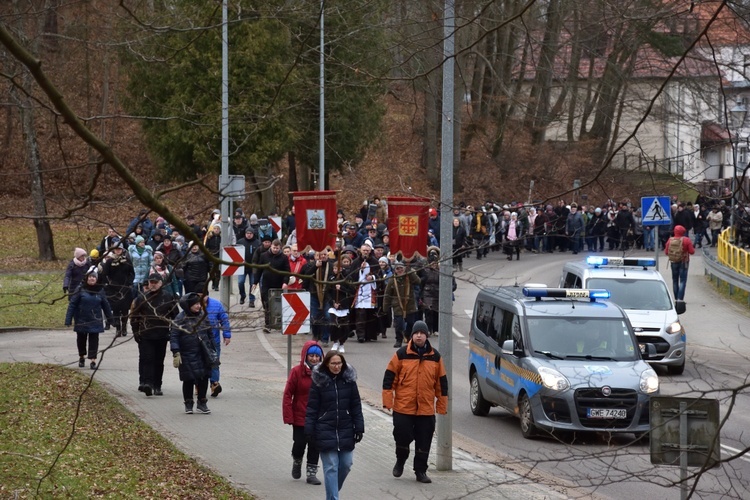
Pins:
<point x="679" y="306"/>
<point x="648" y="351"/>
<point x="509" y="347"/>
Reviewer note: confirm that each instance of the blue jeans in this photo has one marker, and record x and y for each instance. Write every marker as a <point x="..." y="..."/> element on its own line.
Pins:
<point x="648" y="238"/>
<point x="336" y="466"/>
<point x="215" y="371"/>
<point x="241" y="282"/>
<point x="679" y="279"/>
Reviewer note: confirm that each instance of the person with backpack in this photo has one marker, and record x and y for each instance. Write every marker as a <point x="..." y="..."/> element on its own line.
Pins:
<point x="678" y="249"/>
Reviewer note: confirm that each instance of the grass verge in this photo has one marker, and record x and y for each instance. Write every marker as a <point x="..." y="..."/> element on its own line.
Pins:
<point x="32" y="299"/>
<point x="61" y="438"/>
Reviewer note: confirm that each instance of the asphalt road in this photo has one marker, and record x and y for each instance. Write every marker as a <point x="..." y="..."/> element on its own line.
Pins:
<point x="614" y="467"/>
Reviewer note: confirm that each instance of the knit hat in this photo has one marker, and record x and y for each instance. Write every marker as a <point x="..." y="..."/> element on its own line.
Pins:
<point x="94" y="254"/>
<point x="79" y="252"/>
<point x="314" y="349"/>
<point x="138" y="239"/>
<point x="383" y="259"/>
<point x="92" y="272"/>
<point x="253" y="219"/>
<point x="420" y="326"/>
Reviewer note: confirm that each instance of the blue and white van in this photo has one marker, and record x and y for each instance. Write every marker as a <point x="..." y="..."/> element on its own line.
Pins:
<point x="560" y="360"/>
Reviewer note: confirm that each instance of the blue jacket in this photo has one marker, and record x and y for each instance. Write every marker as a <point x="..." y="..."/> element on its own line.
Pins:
<point x="334" y="409"/>
<point x="219" y="320"/>
<point x="85" y="307"/>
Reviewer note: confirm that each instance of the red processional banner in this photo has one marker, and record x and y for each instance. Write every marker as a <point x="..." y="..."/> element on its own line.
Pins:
<point x="315" y="217"/>
<point x="407" y="225"/>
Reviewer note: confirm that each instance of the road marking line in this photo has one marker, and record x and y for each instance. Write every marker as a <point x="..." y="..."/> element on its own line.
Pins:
<point x="729" y="450"/>
<point x="457" y="333"/>
<point x="469" y="312"/>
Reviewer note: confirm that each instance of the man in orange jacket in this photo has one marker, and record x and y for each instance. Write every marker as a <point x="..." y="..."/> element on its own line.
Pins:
<point x="415" y="387"/>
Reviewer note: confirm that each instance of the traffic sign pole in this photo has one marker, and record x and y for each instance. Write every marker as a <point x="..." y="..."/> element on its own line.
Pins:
<point x="656" y="211"/>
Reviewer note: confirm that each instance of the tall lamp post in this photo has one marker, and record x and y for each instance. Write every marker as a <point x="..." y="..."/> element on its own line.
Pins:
<point x="738" y="114"/>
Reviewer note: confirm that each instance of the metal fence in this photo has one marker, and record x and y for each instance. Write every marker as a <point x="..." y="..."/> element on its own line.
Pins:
<point x="731" y="264"/>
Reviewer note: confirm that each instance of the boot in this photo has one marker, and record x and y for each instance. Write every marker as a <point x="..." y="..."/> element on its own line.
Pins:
<point x="398" y="469"/>
<point x="201" y="407"/>
<point x="297" y="468"/>
<point x="311" y="477"/>
<point x="422" y="477"/>
<point x="189" y="406"/>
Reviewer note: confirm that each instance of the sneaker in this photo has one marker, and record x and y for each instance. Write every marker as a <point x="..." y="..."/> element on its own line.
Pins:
<point x="157" y="392"/>
<point x="93" y="365"/>
<point x="141" y="388"/>
<point x="266" y="329"/>
<point x="81" y="362"/>
<point x="335" y="346"/>
<point x="202" y="408"/>
<point x="242" y="300"/>
<point x="215" y="389"/>
<point x="422" y="477"/>
<point x="397" y="344"/>
<point x="189" y="407"/>
<point x="251" y="303"/>
<point x="341" y="349"/>
<point x="148" y="389"/>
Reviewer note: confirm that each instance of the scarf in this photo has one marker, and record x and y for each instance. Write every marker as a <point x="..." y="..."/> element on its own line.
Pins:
<point x="512" y="231"/>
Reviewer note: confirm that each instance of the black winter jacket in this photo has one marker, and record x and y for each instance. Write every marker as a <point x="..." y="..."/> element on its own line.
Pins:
<point x="152" y="315"/>
<point x="195" y="267"/>
<point x="334" y="409"/>
<point x="86" y="307"/>
<point x="271" y="277"/>
<point x="185" y="337"/>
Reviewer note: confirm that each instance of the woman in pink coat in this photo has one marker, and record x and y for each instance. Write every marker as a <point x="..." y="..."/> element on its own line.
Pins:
<point x="294" y="408"/>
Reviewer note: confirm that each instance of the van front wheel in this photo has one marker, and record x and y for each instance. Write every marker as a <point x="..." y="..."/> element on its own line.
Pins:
<point x="479" y="405"/>
<point x="528" y="427"/>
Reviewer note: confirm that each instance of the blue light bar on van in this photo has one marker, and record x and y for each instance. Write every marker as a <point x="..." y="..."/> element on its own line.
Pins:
<point x="566" y="293"/>
<point x="599" y="261"/>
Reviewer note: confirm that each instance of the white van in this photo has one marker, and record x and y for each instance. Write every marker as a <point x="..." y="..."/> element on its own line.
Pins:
<point x="637" y="287"/>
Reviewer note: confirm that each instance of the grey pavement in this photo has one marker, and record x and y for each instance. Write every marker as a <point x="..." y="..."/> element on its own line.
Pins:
<point x="244" y="438"/>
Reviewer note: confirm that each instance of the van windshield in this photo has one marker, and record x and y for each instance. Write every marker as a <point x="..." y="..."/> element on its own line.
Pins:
<point x="574" y="338"/>
<point x="649" y="295"/>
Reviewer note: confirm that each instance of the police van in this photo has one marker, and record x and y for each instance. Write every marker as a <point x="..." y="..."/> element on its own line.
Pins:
<point x="560" y="360"/>
<point x="641" y="291"/>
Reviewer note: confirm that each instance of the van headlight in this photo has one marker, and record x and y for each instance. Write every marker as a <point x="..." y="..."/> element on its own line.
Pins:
<point x="649" y="381"/>
<point x="675" y="327"/>
<point x="553" y="379"/>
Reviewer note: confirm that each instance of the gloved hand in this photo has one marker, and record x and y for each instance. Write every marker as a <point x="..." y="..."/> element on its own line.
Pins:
<point x="177" y="360"/>
<point x="65" y="289"/>
<point x="357" y="437"/>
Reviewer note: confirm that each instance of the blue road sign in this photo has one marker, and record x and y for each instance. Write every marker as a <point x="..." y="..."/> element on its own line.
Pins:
<point x="656" y="211"/>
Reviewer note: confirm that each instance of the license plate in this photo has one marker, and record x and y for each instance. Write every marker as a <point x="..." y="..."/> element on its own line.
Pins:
<point x="606" y="413"/>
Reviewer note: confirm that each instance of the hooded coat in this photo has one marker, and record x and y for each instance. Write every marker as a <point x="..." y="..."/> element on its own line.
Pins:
<point x="188" y="330"/>
<point x="687" y="246"/>
<point x="297" y="389"/>
<point x="334" y="409"/>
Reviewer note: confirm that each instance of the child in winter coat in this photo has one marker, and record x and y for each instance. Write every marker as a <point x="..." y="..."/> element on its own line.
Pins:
<point x="294" y="406"/>
<point x="85" y="307"/>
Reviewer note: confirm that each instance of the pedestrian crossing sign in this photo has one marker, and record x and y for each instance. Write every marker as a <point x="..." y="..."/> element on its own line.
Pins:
<point x="656" y="211"/>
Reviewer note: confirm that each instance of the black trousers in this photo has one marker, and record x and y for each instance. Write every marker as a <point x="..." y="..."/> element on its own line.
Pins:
<point x="93" y="341"/>
<point x="151" y="361"/>
<point x="417" y="428"/>
<point x="298" y="446"/>
<point x="200" y="384"/>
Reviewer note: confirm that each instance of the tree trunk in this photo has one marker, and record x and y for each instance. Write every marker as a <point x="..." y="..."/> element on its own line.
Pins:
<point x="44" y="238"/>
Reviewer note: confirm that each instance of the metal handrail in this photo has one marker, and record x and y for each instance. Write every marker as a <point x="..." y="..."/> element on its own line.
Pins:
<point x="732" y="256"/>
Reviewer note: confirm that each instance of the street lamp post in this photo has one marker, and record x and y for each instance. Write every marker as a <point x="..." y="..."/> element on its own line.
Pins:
<point x="738" y="115"/>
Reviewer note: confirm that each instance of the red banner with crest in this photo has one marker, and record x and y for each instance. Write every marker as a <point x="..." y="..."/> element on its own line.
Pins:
<point x="315" y="217"/>
<point x="407" y="225"/>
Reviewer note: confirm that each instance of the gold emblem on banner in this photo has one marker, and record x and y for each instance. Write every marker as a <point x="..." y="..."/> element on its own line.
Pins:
<point x="408" y="225"/>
